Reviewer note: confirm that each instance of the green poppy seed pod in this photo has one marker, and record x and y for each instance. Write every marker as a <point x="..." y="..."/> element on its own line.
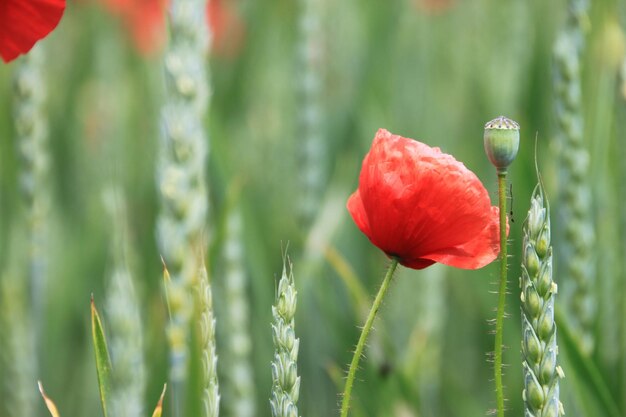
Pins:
<point x="501" y="141"/>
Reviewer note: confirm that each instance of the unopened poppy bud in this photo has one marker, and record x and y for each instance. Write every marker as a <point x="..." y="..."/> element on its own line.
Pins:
<point x="501" y="141"/>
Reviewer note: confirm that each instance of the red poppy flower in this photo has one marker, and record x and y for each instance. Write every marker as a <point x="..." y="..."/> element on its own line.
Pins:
<point x="144" y="20"/>
<point x="422" y="206"/>
<point x="434" y="6"/>
<point x="24" y="22"/>
<point x="226" y="26"/>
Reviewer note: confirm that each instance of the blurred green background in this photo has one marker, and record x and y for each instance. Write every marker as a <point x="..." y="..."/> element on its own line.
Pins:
<point x="433" y="70"/>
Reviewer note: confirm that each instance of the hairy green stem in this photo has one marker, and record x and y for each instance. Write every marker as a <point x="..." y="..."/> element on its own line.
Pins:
<point x="501" y="295"/>
<point x="345" y="403"/>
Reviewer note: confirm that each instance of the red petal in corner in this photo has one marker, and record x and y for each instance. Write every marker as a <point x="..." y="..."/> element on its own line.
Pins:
<point x="24" y="22"/>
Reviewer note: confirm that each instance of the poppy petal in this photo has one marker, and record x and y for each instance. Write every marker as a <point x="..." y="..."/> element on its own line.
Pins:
<point x="476" y="253"/>
<point x="423" y="206"/>
<point x="24" y="22"/>
<point x="355" y="206"/>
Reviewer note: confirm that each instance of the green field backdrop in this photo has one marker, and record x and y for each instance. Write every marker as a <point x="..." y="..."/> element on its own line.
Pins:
<point x="287" y="136"/>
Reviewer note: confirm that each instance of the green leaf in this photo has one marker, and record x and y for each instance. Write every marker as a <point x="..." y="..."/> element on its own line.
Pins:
<point x="588" y="375"/>
<point x="103" y="361"/>
<point x="159" y="407"/>
<point x="49" y="403"/>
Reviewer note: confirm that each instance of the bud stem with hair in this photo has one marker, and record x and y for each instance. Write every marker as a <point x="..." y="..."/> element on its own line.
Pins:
<point x="501" y="141"/>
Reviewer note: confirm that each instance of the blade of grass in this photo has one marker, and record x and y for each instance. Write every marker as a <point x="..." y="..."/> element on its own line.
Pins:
<point x="357" y="292"/>
<point x="49" y="403"/>
<point x="588" y="373"/>
<point x="159" y="407"/>
<point x="103" y="360"/>
<point x="167" y="280"/>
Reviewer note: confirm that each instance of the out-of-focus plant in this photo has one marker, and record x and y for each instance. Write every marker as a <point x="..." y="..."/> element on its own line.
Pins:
<point x="183" y="152"/>
<point x="575" y="209"/>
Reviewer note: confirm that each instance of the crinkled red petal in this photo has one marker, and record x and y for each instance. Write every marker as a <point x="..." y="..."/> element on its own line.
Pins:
<point x="476" y="253"/>
<point x="421" y="205"/>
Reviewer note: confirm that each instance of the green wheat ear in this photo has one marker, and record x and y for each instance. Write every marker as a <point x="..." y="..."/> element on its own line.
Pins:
<point x="239" y="389"/>
<point x="17" y="349"/>
<point x="539" y="347"/>
<point x="123" y="315"/>
<point x="181" y="180"/>
<point x="31" y="129"/>
<point x="285" y="379"/>
<point x="313" y="150"/>
<point x="210" y="386"/>
<point x="577" y="244"/>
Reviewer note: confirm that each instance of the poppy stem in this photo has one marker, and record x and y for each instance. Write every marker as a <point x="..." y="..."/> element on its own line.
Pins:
<point x="501" y="295"/>
<point x="345" y="403"/>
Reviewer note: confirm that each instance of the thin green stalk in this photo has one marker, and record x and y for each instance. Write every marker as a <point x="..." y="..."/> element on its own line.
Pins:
<point x="345" y="403"/>
<point x="501" y="295"/>
<point x="501" y="140"/>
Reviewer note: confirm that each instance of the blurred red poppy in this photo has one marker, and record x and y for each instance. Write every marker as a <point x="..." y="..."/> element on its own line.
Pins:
<point x="434" y="6"/>
<point x="24" y="22"/>
<point x="144" y="20"/>
<point x="422" y="206"/>
<point x="227" y="28"/>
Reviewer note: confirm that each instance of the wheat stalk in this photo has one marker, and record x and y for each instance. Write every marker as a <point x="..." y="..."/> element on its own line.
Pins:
<point x="21" y="325"/>
<point x="240" y="397"/>
<point x="313" y="149"/>
<point x="32" y="138"/>
<point x="285" y="379"/>
<point x="579" y="272"/>
<point x="181" y="173"/>
<point x="539" y="344"/>
<point x="210" y="387"/>
<point x="17" y="349"/>
<point x="124" y="319"/>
